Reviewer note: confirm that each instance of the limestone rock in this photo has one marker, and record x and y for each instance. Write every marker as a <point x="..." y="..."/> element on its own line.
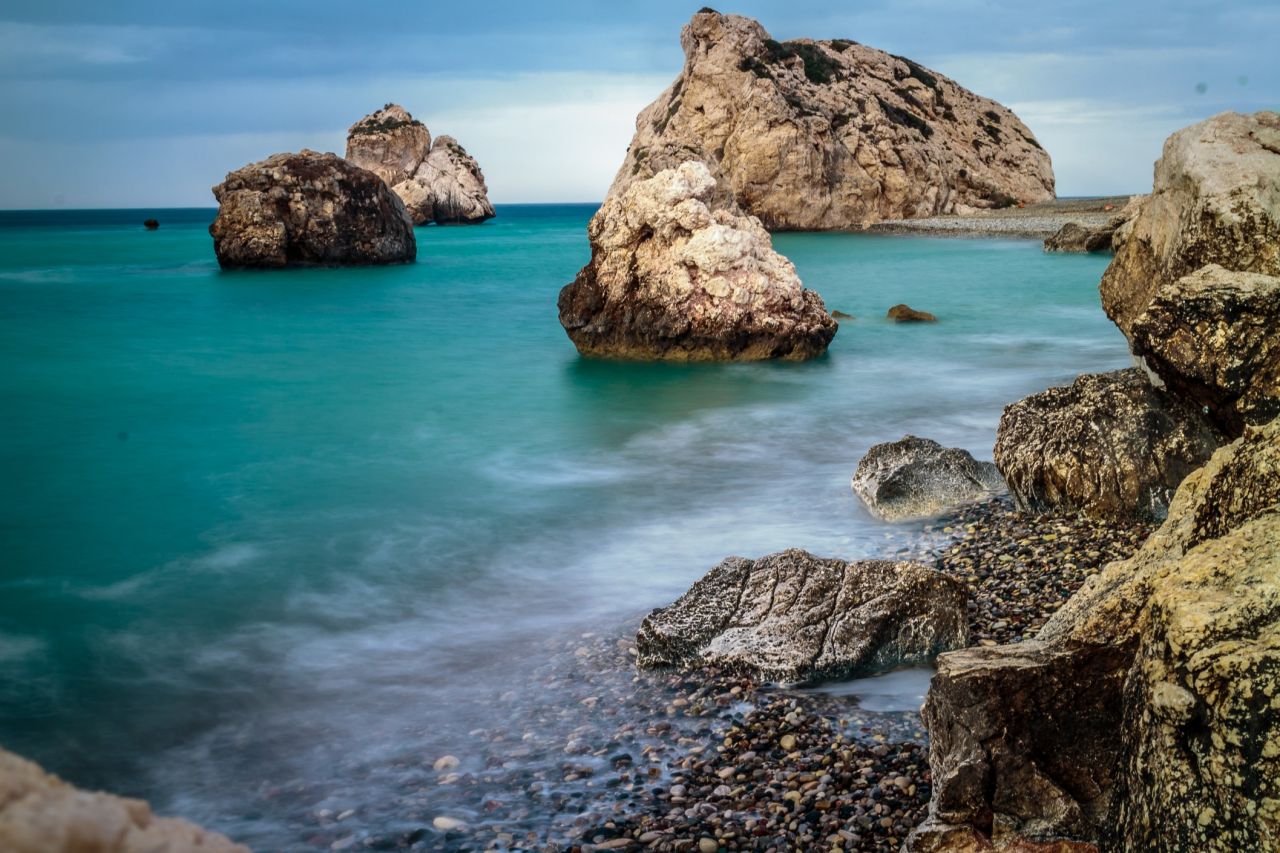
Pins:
<point x="792" y="616"/>
<point x="906" y="314"/>
<point x="308" y="209"/>
<point x="39" y="813"/>
<point x="813" y="135"/>
<point x="917" y="478"/>
<point x="1215" y="200"/>
<point x="1077" y="237"/>
<point x="1110" y="445"/>
<point x="1143" y="714"/>
<point x="437" y="180"/>
<point x="1212" y="336"/>
<point x="670" y="278"/>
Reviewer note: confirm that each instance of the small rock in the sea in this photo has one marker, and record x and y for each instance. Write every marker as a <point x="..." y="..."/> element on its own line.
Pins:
<point x="449" y="824"/>
<point x="446" y="762"/>
<point x="151" y="224"/>
<point x="906" y="314"/>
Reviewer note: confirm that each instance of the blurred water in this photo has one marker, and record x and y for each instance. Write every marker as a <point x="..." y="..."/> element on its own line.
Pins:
<point x="258" y="527"/>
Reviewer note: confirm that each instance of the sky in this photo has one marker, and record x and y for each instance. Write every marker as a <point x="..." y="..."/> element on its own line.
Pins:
<point x="148" y="103"/>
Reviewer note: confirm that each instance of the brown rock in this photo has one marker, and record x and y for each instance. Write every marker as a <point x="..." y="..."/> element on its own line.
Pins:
<point x="907" y="314"/>
<point x="1110" y="445"/>
<point x="39" y="813"/>
<point x="1075" y="237"/>
<point x="437" y="181"/>
<point x="308" y="209"/>
<point x="792" y="616"/>
<point x="812" y="135"/>
<point x="670" y="278"/>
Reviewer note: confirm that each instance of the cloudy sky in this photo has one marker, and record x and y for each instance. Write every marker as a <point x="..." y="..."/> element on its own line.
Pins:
<point x="147" y="103"/>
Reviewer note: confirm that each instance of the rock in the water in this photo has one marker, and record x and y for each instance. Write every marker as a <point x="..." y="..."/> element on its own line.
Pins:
<point x="917" y="478"/>
<point x="309" y="209"/>
<point x="812" y="135"/>
<point x="1215" y="200"/>
<point x="1143" y="715"/>
<point x="1075" y="237"/>
<point x="1110" y="445"/>
<point x="438" y="181"/>
<point x="1214" y="337"/>
<point x="670" y="278"/>
<point x="841" y="315"/>
<point x="906" y="314"/>
<point x="151" y="224"/>
<point x="39" y="813"/>
<point x="792" y="616"/>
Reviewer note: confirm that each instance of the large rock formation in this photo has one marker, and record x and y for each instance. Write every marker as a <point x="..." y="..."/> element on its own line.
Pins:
<point x="795" y="617"/>
<point x="670" y="278"/>
<point x="39" y="813"/>
<point x="812" y="135"/>
<point x="917" y="478"/>
<point x="1215" y="202"/>
<point x="438" y="181"/>
<point x="1144" y="715"/>
<point x="308" y="209"/>
<point x="1110" y="445"/>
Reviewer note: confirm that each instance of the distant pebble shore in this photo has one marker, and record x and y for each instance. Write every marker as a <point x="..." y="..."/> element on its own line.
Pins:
<point x="1032" y="221"/>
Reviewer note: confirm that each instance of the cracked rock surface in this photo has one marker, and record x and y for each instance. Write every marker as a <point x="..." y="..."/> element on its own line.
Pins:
<point x="792" y="617"/>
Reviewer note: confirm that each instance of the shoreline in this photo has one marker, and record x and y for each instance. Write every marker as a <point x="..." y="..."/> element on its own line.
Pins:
<point x="1034" y="221"/>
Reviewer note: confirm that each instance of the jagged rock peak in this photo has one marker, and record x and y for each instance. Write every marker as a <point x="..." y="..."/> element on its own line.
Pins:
<point x="831" y="134"/>
<point x="437" y="179"/>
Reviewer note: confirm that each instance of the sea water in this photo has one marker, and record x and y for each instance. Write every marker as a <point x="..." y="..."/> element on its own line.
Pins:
<point x="303" y="528"/>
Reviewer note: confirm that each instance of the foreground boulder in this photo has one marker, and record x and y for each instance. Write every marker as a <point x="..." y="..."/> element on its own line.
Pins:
<point x="437" y="181"/>
<point x="792" y="616"/>
<point x="918" y="478"/>
<point x="1110" y="445"/>
<point x="1215" y="202"/>
<point x="1143" y="716"/>
<point x="670" y="278"/>
<point x="39" y="813"/>
<point x="308" y="209"/>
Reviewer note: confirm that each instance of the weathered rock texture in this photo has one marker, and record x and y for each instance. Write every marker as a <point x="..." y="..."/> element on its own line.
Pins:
<point x="918" y="478"/>
<point x="1145" y="714"/>
<point x="812" y="135"/>
<point x="792" y="616"/>
<point x="1215" y="202"/>
<point x="39" y="813"/>
<point x="438" y="181"/>
<point x="1108" y="237"/>
<point x="1111" y="445"/>
<point x="308" y="209"/>
<point x="670" y="278"/>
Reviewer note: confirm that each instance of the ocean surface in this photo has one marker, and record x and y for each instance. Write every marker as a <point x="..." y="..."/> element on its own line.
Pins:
<point x="274" y="542"/>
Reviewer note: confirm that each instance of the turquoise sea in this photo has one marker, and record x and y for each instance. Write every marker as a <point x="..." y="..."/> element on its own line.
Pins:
<point x="271" y="540"/>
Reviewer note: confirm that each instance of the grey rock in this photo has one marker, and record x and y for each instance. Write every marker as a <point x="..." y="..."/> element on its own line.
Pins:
<point x="918" y="478"/>
<point x="792" y="616"/>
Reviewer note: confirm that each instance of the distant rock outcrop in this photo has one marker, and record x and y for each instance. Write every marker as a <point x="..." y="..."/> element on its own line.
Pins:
<point x="308" y="209"/>
<point x="40" y="813"/>
<point x="906" y="314"/>
<point x="792" y="616"/>
<point x="1110" y="445"/>
<point x="670" y="278"/>
<point x="438" y="181"/>
<point x="812" y="135"/>
<point x="1109" y="237"/>
<point x="918" y="478"/>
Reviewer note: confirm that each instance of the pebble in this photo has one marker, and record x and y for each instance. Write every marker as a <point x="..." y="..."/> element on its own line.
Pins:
<point x="446" y="762"/>
<point x="449" y="824"/>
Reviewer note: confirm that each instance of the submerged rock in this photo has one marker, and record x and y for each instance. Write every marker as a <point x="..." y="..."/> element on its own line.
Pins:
<point x="1110" y="445"/>
<point x="906" y="314"/>
<point x="438" y="181"/>
<point x="1142" y="715"/>
<point x="151" y="224"/>
<point x="670" y="278"/>
<point x="812" y="135"/>
<point x="308" y="209"/>
<point x="792" y="616"/>
<point x="1215" y="201"/>
<point x="918" y="478"/>
<point x="39" y="813"/>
